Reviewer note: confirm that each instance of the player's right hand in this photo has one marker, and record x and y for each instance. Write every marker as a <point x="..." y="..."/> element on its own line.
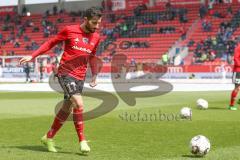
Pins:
<point x="25" y="59"/>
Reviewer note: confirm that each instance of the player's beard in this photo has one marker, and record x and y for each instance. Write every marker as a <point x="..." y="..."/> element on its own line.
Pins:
<point x="89" y="29"/>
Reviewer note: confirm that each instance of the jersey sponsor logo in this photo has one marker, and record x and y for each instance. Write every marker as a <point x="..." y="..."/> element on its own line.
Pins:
<point x="82" y="49"/>
<point x="85" y="40"/>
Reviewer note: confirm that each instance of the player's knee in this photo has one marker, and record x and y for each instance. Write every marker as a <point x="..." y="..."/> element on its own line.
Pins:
<point x="77" y="100"/>
<point x="79" y="104"/>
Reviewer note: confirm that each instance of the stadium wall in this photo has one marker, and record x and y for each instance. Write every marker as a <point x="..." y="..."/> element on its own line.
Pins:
<point x="178" y="85"/>
<point x="68" y="6"/>
<point x="40" y="8"/>
<point x="76" y="6"/>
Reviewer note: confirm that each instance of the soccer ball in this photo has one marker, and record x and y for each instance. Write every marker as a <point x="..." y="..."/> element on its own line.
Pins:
<point x="186" y="112"/>
<point x="199" y="145"/>
<point x="28" y="14"/>
<point x="202" y="103"/>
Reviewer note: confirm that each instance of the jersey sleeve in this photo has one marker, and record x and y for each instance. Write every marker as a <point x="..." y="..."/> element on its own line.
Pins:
<point x="94" y="62"/>
<point x="61" y="36"/>
<point x="237" y="56"/>
<point x="96" y="47"/>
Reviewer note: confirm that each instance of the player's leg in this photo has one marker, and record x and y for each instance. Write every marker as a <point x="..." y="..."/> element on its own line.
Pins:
<point x="78" y="116"/>
<point x="60" y="118"/>
<point x="233" y="97"/>
<point x="78" y="122"/>
<point x="73" y="89"/>
<point x="27" y="77"/>
<point x="236" y="81"/>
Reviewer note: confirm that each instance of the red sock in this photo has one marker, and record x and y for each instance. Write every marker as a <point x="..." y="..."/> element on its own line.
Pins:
<point x="233" y="96"/>
<point x="78" y="123"/>
<point x="60" y="118"/>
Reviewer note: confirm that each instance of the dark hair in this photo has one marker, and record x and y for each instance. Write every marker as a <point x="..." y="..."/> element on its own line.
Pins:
<point x="92" y="12"/>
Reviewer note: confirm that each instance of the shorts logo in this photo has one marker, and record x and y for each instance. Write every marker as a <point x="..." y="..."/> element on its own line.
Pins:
<point x="85" y="40"/>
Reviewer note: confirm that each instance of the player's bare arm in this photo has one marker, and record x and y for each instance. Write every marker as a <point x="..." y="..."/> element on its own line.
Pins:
<point x="93" y="82"/>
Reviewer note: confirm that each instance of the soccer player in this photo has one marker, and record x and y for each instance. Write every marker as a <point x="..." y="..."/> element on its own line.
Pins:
<point x="236" y="78"/>
<point x="81" y="42"/>
<point x="27" y="71"/>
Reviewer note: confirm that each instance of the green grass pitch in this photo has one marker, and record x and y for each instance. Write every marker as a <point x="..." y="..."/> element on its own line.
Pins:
<point x="25" y="117"/>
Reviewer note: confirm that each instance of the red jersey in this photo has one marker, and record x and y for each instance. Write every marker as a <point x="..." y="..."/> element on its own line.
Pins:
<point x="236" y="67"/>
<point x="79" y="49"/>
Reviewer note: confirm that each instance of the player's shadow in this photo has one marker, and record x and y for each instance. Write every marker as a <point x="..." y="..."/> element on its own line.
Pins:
<point x="38" y="148"/>
<point x="31" y="148"/>
<point x="192" y="156"/>
<point x="216" y="108"/>
<point x="81" y="154"/>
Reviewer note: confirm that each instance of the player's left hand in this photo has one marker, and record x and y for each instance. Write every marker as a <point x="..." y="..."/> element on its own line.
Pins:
<point x="92" y="84"/>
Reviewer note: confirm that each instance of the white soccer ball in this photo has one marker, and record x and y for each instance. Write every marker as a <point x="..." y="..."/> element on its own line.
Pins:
<point x="202" y="103"/>
<point x="28" y="14"/>
<point x="186" y="113"/>
<point x="199" y="145"/>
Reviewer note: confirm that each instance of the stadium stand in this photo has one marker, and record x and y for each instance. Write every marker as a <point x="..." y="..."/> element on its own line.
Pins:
<point x="148" y="33"/>
<point x="21" y="35"/>
<point x="214" y="45"/>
